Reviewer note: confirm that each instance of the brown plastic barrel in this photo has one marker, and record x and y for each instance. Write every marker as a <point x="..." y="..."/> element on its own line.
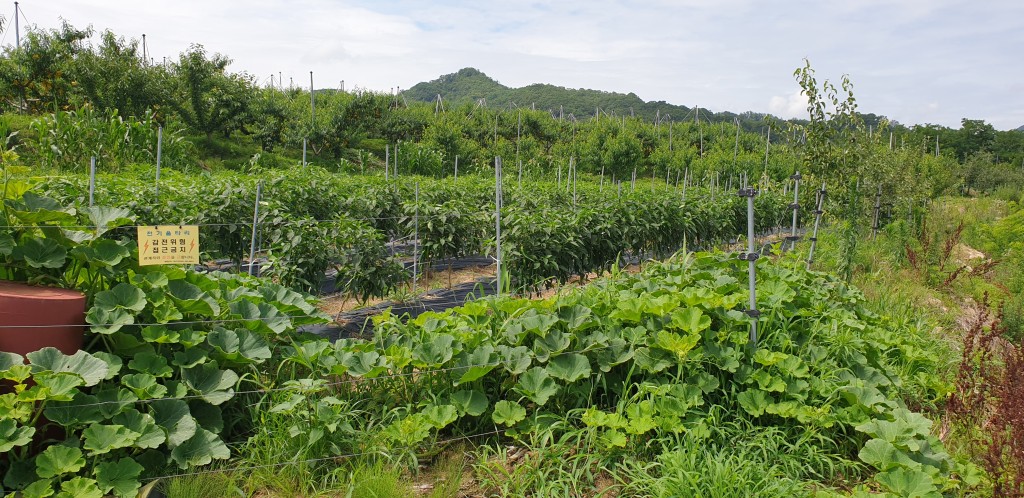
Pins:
<point x="32" y="318"/>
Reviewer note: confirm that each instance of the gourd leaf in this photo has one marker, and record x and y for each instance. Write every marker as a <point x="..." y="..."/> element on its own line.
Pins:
<point x="151" y="363"/>
<point x="59" y="460"/>
<point x="213" y="384"/>
<point x="555" y="341"/>
<point x="516" y="360"/>
<point x="569" y="367"/>
<point x="38" y="489"/>
<point x="440" y="416"/>
<point x="201" y="449"/>
<point x="469" y="402"/>
<point x="508" y="413"/>
<point x="909" y="483"/>
<point x="6" y="244"/>
<point x="150" y="434"/>
<point x="690" y="320"/>
<point x="121" y="477"/>
<point x="105" y="217"/>
<point x="754" y="401"/>
<point x="434" y="352"/>
<point x="106" y="321"/>
<point x="174" y="417"/>
<point x="59" y="386"/>
<point x="102" y="252"/>
<point x="92" y="370"/>
<point x="537" y="385"/>
<point x="79" y="487"/>
<point x="39" y="252"/>
<point x="11" y="435"/>
<point x="475" y="364"/>
<point x="123" y="296"/>
<point x="653" y="360"/>
<point x="191" y="299"/>
<point x="884" y="456"/>
<point x="102" y="438"/>
<point x="144" y="385"/>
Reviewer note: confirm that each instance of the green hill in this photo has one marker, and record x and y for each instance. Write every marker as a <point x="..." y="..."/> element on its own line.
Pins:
<point x="472" y="85"/>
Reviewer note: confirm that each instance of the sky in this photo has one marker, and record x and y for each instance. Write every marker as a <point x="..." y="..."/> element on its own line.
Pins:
<point x="914" y="61"/>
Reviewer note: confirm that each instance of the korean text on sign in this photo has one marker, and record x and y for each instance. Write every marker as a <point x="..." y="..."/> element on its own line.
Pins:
<point x="169" y="245"/>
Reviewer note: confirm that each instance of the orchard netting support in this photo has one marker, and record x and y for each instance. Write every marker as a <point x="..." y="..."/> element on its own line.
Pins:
<point x="751" y="257"/>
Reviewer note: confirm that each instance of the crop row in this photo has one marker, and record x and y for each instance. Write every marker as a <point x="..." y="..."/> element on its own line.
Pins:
<point x="311" y="220"/>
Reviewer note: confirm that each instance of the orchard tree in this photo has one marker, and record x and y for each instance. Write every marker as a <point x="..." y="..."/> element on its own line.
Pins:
<point x="205" y="96"/>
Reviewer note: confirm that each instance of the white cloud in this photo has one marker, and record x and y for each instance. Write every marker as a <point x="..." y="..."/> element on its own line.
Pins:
<point x="793" y="105"/>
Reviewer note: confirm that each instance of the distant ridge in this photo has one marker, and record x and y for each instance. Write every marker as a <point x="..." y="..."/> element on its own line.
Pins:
<point x="472" y="85"/>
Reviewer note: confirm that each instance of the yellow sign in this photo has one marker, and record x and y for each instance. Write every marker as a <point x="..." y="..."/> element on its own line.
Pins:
<point x="169" y="245"/>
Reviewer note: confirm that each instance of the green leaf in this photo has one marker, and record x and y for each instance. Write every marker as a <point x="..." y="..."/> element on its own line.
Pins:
<point x="144" y="385"/>
<point x="537" y="385"/>
<point x="114" y="363"/>
<point x="6" y="244"/>
<point x="475" y="364"/>
<point x="470" y="402"/>
<point x="569" y="367"/>
<point x="79" y="487"/>
<point x="212" y="383"/>
<point x="555" y="341"/>
<point x="615" y="353"/>
<point x="508" y="413"/>
<point x="122" y="296"/>
<point x="104" y="217"/>
<point x="150" y="434"/>
<point x="192" y="299"/>
<point x="201" y="449"/>
<point x="690" y="320"/>
<point x="38" y="489"/>
<point x="12" y="435"/>
<point x="909" y="483"/>
<point x="435" y="352"/>
<point x="34" y="209"/>
<point x="675" y="343"/>
<point x="121" y="477"/>
<point x="58" y="460"/>
<point x="174" y="417"/>
<point x="59" y="386"/>
<point x="8" y="360"/>
<point x="92" y="370"/>
<point x="440" y="416"/>
<point x="151" y="363"/>
<point x="263" y="318"/>
<point x="38" y="252"/>
<point x="754" y="401"/>
<point x="239" y="346"/>
<point x="884" y="456"/>
<point x="101" y="438"/>
<point x="516" y="360"/>
<point x="653" y="360"/>
<point x="102" y="253"/>
<point x="107" y="322"/>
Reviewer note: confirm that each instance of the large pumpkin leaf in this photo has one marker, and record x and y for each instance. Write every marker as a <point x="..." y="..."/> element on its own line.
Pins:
<point x="13" y="435"/>
<point x="174" y="417"/>
<point x="191" y="299"/>
<point x="122" y="296"/>
<point x="212" y="383"/>
<point x="569" y="367"/>
<point x="201" y="449"/>
<point x="508" y="413"/>
<point x="79" y="487"/>
<point x="537" y="385"/>
<point x="58" y="460"/>
<point x="40" y="252"/>
<point x="469" y="402"/>
<point x="92" y="370"/>
<point x="120" y="477"/>
<point x="475" y="364"/>
<point x="103" y="438"/>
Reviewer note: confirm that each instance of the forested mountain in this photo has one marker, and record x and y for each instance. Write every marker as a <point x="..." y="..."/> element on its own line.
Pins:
<point x="469" y="84"/>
